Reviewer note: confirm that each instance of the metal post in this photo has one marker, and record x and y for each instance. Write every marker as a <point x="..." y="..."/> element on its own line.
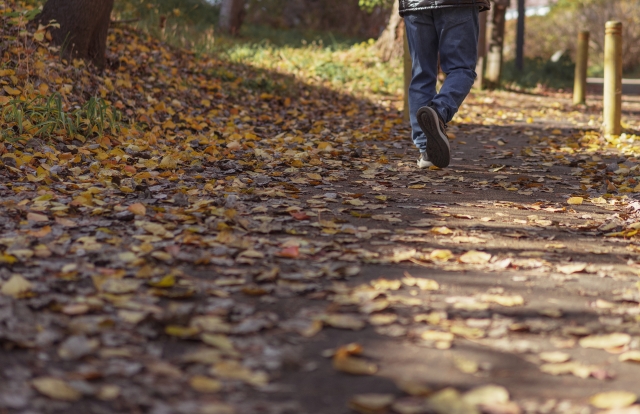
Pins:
<point x="582" y="62"/>
<point x="522" y="14"/>
<point x="407" y="75"/>
<point x="612" y="79"/>
<point x="482" y="52"/>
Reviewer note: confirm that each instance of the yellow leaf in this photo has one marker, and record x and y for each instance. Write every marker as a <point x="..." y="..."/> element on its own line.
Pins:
<point x="353" y="365"/>
<point x="575" y="201"/>
<point x="108" y="392"/>
<point x="56" y="388"/>
<point x="354" y="202"/>
<point x="168" y="163"/>
<point x="181" y="331"/>
<point x="508" y="301"/>
<point x="441" y="255"/>
<point x="371" y="403"/>
<point x="11" y="91"/>
<point x="555" y="357"/>
<point x="450" y="401"/>
<point x="475" y="257"/>
<point x="442" y="231"/>
<point x="205" y="384"/>
<point x="8" y="259"/>
<point x="16" y="286"/>
<point x="166" y="282"/>
<point x="613" y="399"/>
<point x="631" y="356"/>
<point x="613" y="340"/>
<point x="487" y="395"/>
<point x="138" y="209"/>
<point x="37" y="217"/>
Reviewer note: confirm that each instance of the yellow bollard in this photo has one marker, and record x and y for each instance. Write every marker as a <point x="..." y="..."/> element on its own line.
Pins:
<point x="407" y="76"/>
<point x="612" y="113"/>
<point x="582" y="62"/>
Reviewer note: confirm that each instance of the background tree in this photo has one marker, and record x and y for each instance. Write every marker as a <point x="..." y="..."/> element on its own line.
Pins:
<point x="549" y="34"/>
<point x="495" y="54"/>
<point x="83" y="26"/>
<point x="391" y="41"/>
<point x="232" y="14"/>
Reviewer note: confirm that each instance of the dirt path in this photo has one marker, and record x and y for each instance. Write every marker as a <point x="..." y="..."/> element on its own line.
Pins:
<point x="549" y="279"/>
<point x="515" y="267"/>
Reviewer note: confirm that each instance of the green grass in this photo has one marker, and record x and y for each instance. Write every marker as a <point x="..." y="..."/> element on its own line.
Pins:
<point x="345" y="65"/>
<point x="44" y="117"/>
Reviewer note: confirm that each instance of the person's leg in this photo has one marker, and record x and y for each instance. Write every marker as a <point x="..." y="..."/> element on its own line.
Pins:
<point x="423" y="47"/>
<point x="458" y="31"/>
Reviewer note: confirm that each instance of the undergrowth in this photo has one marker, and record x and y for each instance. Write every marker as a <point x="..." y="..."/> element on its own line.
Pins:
<point x="539" y="72"/>
<point x="45" y="116"/>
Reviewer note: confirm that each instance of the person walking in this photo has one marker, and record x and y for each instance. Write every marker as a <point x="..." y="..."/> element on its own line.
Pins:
<point x="448" y="29"/>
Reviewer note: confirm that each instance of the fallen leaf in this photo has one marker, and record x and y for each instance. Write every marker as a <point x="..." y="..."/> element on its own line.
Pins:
<point x="17" y="286"/>
<point x="56" y="389"/>
<point x="205" y="384"/>
<point x="574" y="201"/>
<point x="353" y="365"/>
<point x="475" y="257"/>
<point x="371" y="403"/>
<point x="442" y="231"/>
<point x="572" y="268"/>
<point x="291" y="252"/>
<point x="631" y="356"/>
<point x="38" y="218"/>
<point x="555" y="357"/>
<point x="450" y="401"/>
<point x="486" y="395"/>
<point x="342" y="321"/>
<point x="613" y="340"/>
<point x="138" y="209"/>
<point x="613" y="399"/>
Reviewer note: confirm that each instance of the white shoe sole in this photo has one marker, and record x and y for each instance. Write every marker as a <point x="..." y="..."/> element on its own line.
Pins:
<point x="422" y="164"/>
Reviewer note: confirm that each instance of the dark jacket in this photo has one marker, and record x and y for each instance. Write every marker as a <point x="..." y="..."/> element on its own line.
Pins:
<point x="412" y="6"/>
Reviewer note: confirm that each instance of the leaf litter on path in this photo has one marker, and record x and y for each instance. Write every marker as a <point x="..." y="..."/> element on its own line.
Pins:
<point x="215" y="204"/>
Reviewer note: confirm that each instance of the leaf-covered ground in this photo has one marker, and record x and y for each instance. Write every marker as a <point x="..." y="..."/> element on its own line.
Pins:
<point x="216" y="238"/>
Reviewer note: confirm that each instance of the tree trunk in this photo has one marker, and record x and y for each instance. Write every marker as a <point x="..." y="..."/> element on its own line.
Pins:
<point x="231" y="16"/>
<point x="83" y="27"/>
<point x="391" y="41"/>
<point x="482" y="52"/>
<point x="496" y="42"/>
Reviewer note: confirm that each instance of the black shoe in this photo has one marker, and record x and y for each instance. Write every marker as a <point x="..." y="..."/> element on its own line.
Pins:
<point x="438" y="148"/>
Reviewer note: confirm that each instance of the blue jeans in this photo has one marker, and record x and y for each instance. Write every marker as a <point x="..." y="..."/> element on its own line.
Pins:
<point x="453" y="33"/>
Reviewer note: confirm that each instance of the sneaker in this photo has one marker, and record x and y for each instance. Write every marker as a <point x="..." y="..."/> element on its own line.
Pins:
<point x="438" y="148"/>
<point x="423" y="161"/>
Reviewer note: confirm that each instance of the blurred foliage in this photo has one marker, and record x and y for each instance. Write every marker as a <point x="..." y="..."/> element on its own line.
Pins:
<point x="189" y="12"/>
<point x="558" y="31"/>
<point x="370" y="5"/>
<point x="336" y="16"/>
<point x="539" y="72"/>
<point x="183" y="23"/>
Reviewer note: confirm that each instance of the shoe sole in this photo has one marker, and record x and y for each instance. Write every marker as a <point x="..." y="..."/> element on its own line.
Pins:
<point x="438" y="148"/>
<point x="424" y="164"/>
